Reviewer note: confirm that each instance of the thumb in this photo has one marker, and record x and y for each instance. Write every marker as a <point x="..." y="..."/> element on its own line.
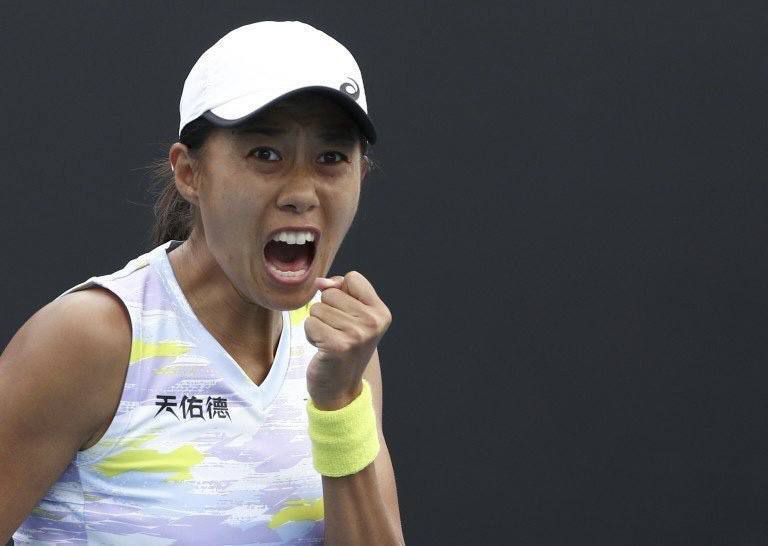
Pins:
<point x="321" y="283"/>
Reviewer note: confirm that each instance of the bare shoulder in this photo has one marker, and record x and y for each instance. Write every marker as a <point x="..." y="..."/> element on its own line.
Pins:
<point x="61" y="377"/>
<point x="75" y="348"/>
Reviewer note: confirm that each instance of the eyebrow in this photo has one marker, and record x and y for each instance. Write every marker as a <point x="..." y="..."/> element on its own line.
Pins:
<point x="342" y="134"/>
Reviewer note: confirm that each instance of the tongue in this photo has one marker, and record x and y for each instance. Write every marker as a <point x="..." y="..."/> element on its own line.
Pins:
<point x="287" y="257"/>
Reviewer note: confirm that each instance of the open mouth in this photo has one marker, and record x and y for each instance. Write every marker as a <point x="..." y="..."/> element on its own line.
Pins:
<point x="289" y="261"/>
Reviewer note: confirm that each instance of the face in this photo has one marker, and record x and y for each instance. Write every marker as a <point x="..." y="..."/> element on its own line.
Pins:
<point x="298" y="164"/>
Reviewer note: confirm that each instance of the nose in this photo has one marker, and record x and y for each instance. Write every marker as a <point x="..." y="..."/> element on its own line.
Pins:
<point x="298" y="192"/>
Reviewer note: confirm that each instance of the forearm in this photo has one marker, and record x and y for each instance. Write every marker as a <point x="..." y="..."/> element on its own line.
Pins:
<point x="355" y="511"/>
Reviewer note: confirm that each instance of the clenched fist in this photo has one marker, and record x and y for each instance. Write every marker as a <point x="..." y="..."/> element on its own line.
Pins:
<point x="345" y="326"/>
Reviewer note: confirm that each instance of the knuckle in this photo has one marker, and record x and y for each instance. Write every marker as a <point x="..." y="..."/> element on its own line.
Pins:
<point x="383" y="319"/>
<point x="374" y="324"/>
<point x="380" y="323"/>
<point x="353" y="337"/>
<point x="344" y="346"/>
<point x="324" y="296"/>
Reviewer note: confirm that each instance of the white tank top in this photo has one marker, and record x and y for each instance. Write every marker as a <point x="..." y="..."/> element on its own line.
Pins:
<point x="197" y="453"/>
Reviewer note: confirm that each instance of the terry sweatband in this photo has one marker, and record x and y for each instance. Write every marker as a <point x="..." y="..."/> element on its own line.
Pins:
<point x="346" y="440"/>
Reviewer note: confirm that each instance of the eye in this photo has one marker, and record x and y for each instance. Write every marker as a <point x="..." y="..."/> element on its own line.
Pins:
<point x="265" y="154"/>
<point x="332" y="157"/>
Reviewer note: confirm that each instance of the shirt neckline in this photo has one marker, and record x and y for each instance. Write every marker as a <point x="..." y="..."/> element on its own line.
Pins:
<point x="262" y="395"/>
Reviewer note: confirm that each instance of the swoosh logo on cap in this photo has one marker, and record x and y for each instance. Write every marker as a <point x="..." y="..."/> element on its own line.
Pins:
<point x="351" y="89"/>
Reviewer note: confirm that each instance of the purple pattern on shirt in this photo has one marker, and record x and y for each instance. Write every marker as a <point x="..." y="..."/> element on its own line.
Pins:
<point x="245" y="477"/>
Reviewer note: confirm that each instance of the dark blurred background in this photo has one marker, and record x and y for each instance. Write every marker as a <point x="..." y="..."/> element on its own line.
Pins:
<point x="568" y="225"/>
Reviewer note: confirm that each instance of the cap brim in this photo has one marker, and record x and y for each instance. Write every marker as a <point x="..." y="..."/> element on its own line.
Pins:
<point x="348" y="103"/>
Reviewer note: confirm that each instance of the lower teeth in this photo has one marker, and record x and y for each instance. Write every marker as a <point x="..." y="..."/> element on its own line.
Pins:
<point x="279" y="273"/>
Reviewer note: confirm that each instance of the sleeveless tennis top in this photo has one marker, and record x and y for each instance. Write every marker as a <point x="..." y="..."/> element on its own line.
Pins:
<point x="197" y="453"/>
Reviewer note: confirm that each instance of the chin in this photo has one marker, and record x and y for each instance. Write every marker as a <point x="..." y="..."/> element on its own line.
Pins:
<point x="288" y="301"/>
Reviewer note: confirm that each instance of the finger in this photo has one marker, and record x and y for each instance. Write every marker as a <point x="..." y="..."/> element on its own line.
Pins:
<point x="321" y="283"/>
<point x="332" y="316"/>
<point x="338" y="299"/>
<point x="357" y="286"/>
<point x="323" y="336"/>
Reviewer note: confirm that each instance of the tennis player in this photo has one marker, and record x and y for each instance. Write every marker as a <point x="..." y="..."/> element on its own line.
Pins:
<point x="218" y="389"/>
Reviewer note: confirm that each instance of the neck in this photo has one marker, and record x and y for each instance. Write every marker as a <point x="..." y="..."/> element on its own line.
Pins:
<point x="249" y="332"/>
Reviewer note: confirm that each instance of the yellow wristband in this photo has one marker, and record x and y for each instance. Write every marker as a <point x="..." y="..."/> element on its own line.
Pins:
<point x="346" y="440"/>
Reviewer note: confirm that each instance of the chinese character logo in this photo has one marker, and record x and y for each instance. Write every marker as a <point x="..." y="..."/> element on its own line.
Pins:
<point x="217" y="407"/>
<point x="192" y="407"/>
<point x="166" y="403"/>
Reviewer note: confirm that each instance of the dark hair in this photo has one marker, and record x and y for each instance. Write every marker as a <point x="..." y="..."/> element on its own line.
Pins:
<point x="175" y="216"/>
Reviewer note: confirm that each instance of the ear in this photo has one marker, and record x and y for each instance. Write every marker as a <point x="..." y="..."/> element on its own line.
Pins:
<point x="182" y="166"/>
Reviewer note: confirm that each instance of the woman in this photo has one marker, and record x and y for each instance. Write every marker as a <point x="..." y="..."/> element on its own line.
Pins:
<point x="219" y="389"/>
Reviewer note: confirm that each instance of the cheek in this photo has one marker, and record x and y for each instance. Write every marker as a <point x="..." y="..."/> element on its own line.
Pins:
<point x="352" y="199"/>
<point x="343" y="209"/>
<point x="223" y="194"/>
<point x="229" y="215"/>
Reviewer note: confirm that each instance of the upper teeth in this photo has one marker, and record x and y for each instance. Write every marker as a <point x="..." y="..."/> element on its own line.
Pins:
<point x="294" y="237"/>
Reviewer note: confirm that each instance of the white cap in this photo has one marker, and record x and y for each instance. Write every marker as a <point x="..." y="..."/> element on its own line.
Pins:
<point x="256" y="64"/>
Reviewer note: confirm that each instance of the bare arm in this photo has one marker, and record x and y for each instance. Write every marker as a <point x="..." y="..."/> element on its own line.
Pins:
<point x="362" y="508"/>
<point x="61" y="377"/>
